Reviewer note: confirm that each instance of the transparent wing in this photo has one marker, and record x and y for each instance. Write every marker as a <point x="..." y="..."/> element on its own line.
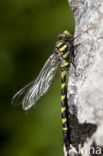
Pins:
<point x="34" y="90"/>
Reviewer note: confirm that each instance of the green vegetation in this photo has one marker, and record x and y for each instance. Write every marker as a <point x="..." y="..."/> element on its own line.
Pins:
<point x="28" y="33"/>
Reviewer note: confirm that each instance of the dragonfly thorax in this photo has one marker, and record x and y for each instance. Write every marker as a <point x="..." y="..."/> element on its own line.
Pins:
<point x="64" y="49"/>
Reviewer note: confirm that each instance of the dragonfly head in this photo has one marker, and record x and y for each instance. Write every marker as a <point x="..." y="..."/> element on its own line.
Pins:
<point x="67" y="36"/>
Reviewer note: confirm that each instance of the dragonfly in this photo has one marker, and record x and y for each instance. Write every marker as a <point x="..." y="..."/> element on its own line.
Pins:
<point x="62" y="56"/>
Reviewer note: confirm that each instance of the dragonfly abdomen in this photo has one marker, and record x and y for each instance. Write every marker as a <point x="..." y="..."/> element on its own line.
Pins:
<point x="64" y="104"/>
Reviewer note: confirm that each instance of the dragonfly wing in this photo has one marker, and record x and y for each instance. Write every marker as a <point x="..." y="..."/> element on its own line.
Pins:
<point x="19" y="95"/>
<point x="33" y="91"/>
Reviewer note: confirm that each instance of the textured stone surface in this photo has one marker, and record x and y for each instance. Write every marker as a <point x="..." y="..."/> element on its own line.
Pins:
<point x="85" y="87"/>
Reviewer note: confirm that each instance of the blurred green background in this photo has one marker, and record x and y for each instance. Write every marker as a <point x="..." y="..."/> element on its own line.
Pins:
<point x="28" y="33"/>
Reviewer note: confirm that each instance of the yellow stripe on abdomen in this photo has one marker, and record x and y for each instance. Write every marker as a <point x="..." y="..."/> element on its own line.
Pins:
<point x="65" y="128"/>
<point x="63" y="97"/>
<point x="63" y="85"/>
<point x="64" y="120"/>
<point x="63" y="73"/>
<point x="63" y="109"/>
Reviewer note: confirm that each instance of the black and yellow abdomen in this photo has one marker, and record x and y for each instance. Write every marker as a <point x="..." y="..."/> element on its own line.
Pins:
<point x="64" y="103"/>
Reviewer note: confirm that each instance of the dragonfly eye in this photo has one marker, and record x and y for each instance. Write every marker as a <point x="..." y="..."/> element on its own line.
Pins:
<point x="66" y="36"/>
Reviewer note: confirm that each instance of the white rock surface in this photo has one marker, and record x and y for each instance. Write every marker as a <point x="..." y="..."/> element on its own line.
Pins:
<point x="85" y="87"/>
